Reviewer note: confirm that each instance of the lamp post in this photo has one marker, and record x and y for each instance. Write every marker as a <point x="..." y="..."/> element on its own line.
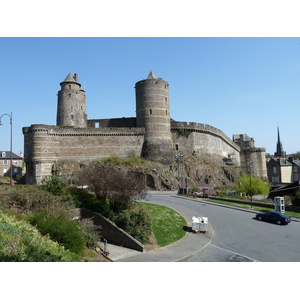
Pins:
<point x="11" y="166"/>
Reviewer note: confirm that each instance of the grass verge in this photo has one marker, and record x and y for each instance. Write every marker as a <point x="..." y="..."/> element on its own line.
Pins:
<point x="167" y="225"/>
<point x="254" y="207"/>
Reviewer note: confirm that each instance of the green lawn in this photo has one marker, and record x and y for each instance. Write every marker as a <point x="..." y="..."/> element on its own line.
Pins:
<point x="168" y="226"/>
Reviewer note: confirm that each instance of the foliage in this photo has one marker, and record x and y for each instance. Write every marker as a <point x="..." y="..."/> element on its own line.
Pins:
<point x="129" y="161"/>
<point x="90" y="232"/>
<point x="32" y="198"/>
<point x="114" y="184"/>
<point x="54" y="184"/>
<point x="136" y="222"/>
<point x="296" y="200"/>
<point x="19" y="241"/>
<point x="168" y="226"/>
<point x="252" y="185"/>
<point x="184" y="132"/>
<point x="60" y="229"/>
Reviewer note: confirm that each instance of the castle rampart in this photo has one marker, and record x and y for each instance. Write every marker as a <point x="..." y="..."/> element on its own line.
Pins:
<point x="45" y="145"/>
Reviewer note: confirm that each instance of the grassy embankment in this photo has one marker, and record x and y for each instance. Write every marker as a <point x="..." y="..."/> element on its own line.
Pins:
<point x="168" y="226"/>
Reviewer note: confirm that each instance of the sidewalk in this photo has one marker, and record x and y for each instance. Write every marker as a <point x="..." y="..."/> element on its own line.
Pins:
<point x="187" y="246"/>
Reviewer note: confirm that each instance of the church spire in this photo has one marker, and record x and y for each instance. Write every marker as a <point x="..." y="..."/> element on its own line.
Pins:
<point x="279" y="150"/>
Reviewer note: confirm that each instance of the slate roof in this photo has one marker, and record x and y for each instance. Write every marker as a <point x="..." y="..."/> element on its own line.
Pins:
<point x="6" y="155"/>
<point x="69" y="78"/>
<point x="151" y="75"/>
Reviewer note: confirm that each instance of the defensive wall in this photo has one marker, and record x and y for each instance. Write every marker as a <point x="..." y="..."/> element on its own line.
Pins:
<point x="200" y="139"/>
<point x="44" y="145"/>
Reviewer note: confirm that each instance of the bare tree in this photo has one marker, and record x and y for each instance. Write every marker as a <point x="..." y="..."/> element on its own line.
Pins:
<point x="114" y="184"/>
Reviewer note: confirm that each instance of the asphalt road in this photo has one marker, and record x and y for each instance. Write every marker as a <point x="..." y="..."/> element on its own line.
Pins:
<point x="236" y="235"/>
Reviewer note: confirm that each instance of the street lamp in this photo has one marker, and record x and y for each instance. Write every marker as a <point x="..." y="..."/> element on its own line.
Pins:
<point x="11" y="166"/>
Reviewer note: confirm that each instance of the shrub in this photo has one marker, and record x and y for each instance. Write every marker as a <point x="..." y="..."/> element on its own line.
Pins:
<point x="60" y="229"/>
<point x="296" y="200"/>
<point x="32" y="198"/>
<point x="136" y="222"/>
<point x="19" y="241"/>
<point x="54" y="184"/>
<point x="84" y="199"/>
<point x="90" y="232"/>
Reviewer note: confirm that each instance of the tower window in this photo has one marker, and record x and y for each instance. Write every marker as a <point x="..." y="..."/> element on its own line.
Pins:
<point x="72" y="117"/>
<point x="70" y="94"/>
<point x="69" y="86"/>
<point x="176" y="147"/>
<point x="150" y="111"/>
<point x="166" y="112"/>
<point x="166" y="99"/>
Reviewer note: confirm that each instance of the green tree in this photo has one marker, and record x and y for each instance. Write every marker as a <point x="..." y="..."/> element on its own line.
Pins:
<point x="251" y="185"/>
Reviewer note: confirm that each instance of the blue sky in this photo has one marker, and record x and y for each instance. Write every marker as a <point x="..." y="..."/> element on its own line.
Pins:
<point x="238" y="85"/>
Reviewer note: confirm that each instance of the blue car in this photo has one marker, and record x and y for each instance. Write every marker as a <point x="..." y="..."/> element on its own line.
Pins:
<point x="274" y="217"/>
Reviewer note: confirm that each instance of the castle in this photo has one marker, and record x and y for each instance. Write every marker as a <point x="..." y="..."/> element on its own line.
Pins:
<point x="151" y="134"/>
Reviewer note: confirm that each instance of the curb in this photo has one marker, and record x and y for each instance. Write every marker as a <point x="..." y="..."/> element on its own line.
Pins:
<point x="295" y="219"/>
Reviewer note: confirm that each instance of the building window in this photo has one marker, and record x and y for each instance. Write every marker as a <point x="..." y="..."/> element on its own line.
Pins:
<point x="3" y="154"/>
<point x="166" y="99"/>
<point x="176" y="147"/>
<point x="5" y="162"/>
<point x="15" y="162"/>
<point x="69" y="86"/>
<point x="150" y="111"/>
<point x="97" y="124"/>
<point x="274" y="170"/>
<point x="72" y="117"/>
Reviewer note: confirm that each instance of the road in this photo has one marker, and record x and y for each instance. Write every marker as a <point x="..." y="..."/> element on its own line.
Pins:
<point x="236" y="235"/>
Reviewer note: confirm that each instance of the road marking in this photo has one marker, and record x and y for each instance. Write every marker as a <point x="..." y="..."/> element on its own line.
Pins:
<point x="242" y="255"/>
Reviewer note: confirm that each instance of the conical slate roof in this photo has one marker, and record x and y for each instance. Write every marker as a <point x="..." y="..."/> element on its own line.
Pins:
<point x="69" y="78"/>
<point x="151" y="75"/>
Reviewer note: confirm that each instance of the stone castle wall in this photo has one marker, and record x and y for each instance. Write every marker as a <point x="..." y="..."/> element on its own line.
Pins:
<point x="44" y="145"/>
<point x="201" y="139"/>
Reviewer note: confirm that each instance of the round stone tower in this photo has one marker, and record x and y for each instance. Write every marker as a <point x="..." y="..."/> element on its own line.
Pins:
<point x="71" y="104"/>
<point x="153" y="113"/>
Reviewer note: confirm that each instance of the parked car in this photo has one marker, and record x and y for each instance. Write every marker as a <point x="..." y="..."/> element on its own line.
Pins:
<point x="274" y="217"/>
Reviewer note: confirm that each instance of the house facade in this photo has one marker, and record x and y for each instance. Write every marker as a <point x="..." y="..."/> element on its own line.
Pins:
<point x="5" y="165"/>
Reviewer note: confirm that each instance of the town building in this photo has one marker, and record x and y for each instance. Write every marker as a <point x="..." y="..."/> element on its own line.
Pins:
<point x="17" y="164"/>
<point x="282" y="170"/>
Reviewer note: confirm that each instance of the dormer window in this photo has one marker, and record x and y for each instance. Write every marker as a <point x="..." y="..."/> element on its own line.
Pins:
<point x="3" y="154"/>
